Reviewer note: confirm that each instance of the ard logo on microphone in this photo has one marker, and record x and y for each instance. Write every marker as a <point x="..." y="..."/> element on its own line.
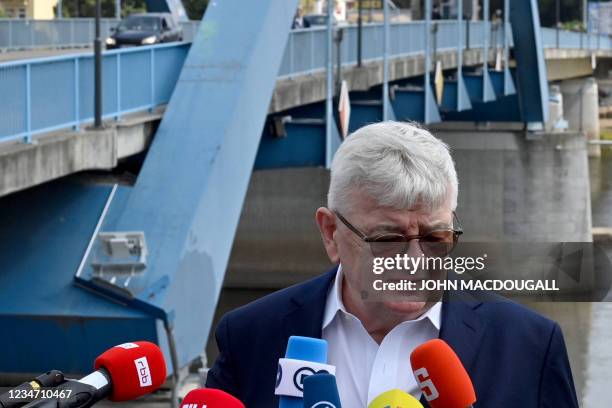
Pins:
<point x="144" y="374"/>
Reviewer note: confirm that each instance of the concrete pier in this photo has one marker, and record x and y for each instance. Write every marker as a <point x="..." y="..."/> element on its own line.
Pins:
<point x="581" y="108"/>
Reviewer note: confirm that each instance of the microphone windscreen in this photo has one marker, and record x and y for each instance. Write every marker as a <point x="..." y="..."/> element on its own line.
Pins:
<point x="136" y="369"/>
<point x="307" y="349"/>
<point x="396" y="399"/>
<point x="321" y="391"/>
<point x="210" y="398"/>
<point x="441" y="376"/>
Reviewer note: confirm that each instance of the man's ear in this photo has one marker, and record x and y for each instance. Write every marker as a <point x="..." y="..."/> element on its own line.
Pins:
<point x="326" y="221"/>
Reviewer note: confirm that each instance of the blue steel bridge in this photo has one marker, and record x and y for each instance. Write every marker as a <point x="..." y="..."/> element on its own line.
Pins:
<point x="89" y="265"/>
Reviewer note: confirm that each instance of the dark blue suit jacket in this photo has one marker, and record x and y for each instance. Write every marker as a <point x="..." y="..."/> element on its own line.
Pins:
<point x="515" y="357"/>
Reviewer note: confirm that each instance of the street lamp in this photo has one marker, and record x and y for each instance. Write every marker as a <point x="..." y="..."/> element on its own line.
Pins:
<point x="359" y="31"/>
<point x="98" y="70"/>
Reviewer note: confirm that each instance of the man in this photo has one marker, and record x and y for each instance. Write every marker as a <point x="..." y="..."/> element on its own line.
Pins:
<point x="391" y="182"/>
<point x="298" y="19"/>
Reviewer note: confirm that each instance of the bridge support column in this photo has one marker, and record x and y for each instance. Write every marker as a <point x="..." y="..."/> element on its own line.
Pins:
<point x="581" y="108"/>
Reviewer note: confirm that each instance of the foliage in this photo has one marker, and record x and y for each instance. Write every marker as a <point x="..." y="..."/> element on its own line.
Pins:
<point x="86" y="8"/>
<point x="570" y="11"/>
<point x="195" y="8"/>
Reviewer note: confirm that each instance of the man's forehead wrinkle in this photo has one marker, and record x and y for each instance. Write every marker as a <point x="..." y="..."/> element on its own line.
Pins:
<point x="392" y="220"/>
<point x="375" y="219"/>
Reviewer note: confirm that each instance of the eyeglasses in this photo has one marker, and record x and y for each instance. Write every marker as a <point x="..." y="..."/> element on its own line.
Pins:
<point x="438" y="242"/>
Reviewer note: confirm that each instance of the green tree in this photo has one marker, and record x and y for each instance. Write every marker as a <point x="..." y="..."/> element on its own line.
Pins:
<point x="86" y="8"/>
<point x="570" y="11"/>
<point x="195" y="8"/>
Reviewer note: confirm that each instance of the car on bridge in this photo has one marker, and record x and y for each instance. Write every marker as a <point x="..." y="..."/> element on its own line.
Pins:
<point x="145" y="29"/>
<point x="312" y="20"/>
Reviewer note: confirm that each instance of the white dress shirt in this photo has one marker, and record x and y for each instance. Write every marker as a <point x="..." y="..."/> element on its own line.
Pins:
<point x="365" y="369"/>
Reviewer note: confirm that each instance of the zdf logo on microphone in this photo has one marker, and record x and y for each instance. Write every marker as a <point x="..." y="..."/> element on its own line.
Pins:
<point x="142" y="369"/>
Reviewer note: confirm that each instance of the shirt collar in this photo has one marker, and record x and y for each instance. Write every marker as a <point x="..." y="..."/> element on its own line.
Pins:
<point x="334" y="305"/>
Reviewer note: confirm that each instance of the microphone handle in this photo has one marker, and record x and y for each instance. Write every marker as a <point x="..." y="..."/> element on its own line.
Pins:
<point x="82" y="394"/>
<point x="52" y="378"/>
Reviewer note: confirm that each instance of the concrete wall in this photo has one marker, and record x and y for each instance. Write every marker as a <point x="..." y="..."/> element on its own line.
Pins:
<point x="306" y="89"/>
<point x="62" y="153"/>
<point x="581" y="108"/>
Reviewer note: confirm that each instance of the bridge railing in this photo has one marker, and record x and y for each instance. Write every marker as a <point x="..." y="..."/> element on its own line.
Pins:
<point x="47" y="94"/>
<point x="553" y="38"/>
<point x="19" y="34"/>
<point x="79" y="32"/>
<point x="304" y="53"/>
<point x="53" y="93"/>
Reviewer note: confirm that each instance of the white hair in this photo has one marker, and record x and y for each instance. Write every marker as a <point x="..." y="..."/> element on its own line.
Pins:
<point x="398" y="164"/>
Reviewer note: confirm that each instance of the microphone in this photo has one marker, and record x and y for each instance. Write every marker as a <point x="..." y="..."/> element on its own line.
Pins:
<point x="304" y="356"/>
<point x="396" y="399"/>
<point x="441" y="376"/>
<point x="124" y="372"/>
<point x="11" y="399"/>
<point x="210" y="398"/>
<point x="321" y="391"/>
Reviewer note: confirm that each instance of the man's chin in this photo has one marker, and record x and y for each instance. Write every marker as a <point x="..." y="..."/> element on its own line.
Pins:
<point x="405" y="307"/>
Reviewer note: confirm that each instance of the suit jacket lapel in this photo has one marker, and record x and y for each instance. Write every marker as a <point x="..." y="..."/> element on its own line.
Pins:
<point x="305" y="316"/>
<point x="462" y="328"/>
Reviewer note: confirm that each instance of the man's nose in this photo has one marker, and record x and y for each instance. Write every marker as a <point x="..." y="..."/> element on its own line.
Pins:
<point x="414" y="249"/>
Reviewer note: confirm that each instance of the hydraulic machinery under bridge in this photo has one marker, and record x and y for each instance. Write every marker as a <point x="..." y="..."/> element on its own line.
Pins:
<point x="88" y="266"/>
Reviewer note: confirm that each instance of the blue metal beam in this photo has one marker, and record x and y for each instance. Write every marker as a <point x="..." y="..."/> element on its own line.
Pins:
<point x="532" y="82"/>
<point x="329" y="72"/>
<point x="46" y="321"/>
<point x="509" y="88"/>
<point x="385" y="87"/>
<point x="462" y="97"/>
<point x="487" y="88"/>
<point x="189" y="194"/>
<point x="432" y="113"/>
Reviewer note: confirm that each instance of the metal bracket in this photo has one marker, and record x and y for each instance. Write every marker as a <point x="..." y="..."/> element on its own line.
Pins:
<point x="119" y="255"/>
<point x="277" y="126"/>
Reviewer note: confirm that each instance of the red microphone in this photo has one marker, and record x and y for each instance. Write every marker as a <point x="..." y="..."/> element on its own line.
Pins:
<point x="210" y="398"/>
<point x="441" y="376"/>
<point x="135" y="369"/>
<point x="124" y="372"/>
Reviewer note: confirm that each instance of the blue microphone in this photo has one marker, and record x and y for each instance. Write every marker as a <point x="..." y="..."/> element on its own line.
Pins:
<point x="321" y="391"/>
<point x="304" y="357"/>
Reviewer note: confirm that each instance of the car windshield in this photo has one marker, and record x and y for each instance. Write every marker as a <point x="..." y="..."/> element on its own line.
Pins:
<point x="139" y="24"/>
<point x="317" y="20"/>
